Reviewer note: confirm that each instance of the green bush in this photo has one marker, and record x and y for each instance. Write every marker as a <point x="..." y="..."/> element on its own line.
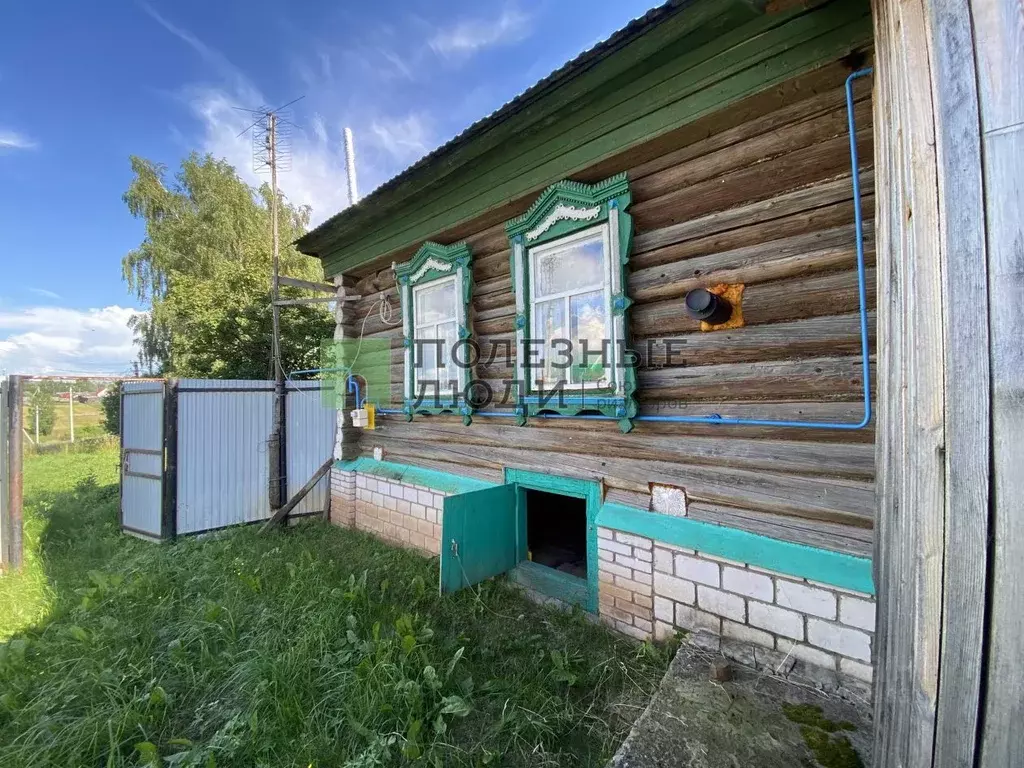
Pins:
<point x="111" y="405"/>
<point x="39" y="399"/>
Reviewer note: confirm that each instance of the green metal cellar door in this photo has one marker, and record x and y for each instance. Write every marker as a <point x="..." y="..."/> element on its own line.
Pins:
<point x="479" y="536"/>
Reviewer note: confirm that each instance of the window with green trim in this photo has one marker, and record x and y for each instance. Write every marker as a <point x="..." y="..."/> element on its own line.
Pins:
<point x="435" y="287"/>
<point x="569" y="256"/>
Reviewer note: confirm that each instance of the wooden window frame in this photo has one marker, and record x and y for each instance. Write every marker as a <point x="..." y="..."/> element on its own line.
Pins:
<point x="431" y="264"/>
<point x="565" y="210"/>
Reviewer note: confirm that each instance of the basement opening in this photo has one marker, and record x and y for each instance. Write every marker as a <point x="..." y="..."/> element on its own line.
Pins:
<point x="556" y="531"/>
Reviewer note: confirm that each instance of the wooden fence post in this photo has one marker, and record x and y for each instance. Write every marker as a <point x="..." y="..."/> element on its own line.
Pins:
<point x="999" y="51"/>
<point x="11" y="519"/>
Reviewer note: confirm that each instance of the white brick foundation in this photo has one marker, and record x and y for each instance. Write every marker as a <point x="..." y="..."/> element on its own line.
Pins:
<point x="764" y="619"/>
<point x="626" y="582"/>
<point x="343" y="497"/>
<point x="405" y="514"/>
<point x="761" y="618"/>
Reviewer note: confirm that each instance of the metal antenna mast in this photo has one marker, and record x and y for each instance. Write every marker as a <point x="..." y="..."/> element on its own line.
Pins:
<point x="271" y="142"/>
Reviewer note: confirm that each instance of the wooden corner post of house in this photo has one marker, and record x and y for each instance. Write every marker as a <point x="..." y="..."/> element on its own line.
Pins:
<point x="949" y="559"/>
<point x="346" y="329"/>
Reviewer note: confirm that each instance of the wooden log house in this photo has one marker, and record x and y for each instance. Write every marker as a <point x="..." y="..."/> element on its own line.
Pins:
<point x="722" y="472"/>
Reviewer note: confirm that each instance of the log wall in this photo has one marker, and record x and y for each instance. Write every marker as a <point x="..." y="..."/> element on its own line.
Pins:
<point x="759" y="194"/>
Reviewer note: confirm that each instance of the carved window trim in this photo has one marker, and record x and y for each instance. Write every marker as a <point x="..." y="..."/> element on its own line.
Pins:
<point x="431" y="263"/>
<point x="564" y="209"/>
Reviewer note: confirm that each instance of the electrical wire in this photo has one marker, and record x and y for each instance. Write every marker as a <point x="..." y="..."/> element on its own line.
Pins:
<point x="386" y="313"/>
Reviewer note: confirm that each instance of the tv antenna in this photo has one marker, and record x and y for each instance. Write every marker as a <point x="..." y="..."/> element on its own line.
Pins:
<point x="272" y="151"/>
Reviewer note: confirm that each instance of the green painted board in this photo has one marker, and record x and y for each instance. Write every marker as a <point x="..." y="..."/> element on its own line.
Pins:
<point x="590" y="492"/>
<point x="478" y="536"/>
<point x="441" y="482"/>
<point x="571" y="590"/>
<point x="825" y="566"/>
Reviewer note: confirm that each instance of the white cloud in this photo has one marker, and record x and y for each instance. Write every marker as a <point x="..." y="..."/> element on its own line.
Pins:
<point x="406" y="138"/>
<point x="13" y="140"/>
<point x="218" y="61"/>
<point x="46" y="294"/>
<point x="385" y="143"/>
<point x="316" y="176"/>
<point x="470" y="35"/>
<point x="52" y="340"/>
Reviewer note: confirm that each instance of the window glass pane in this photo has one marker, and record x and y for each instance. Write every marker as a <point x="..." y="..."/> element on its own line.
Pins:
<point x="549" y="323"/>
<point x="579" y="265"/>
<point x="427" y="368"/>
<point x="587" y="324"/>
<point x="434" y="302"/>
<point x="447" y="371"/>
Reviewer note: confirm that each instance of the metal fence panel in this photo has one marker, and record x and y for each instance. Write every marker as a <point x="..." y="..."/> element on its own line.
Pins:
<point x="142" y="456"/>
<point x="223" y="473"/>
<point x="223" y="431"/>
<point x="310" y="424"/>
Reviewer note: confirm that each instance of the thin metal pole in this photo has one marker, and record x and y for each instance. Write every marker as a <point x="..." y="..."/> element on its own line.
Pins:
<point x="71" y="409"/>
<point x="278" y="488"/>
<point x="272" y="149"/>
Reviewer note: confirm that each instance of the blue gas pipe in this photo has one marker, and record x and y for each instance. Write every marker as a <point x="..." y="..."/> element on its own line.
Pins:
<point x="864" y="342"/>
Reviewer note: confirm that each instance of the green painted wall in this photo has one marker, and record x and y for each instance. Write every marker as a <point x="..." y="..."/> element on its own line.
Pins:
<point x="711" y="55"/>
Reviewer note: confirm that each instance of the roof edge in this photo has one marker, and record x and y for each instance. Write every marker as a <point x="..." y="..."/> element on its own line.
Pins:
<point x="349" y="218"/>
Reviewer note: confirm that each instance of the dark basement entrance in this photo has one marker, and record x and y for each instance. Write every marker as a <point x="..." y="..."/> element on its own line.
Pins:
<point x="556" y="531"/>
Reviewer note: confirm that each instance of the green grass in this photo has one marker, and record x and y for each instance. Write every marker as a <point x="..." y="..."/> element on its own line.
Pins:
<point x="312" y="646"/>
<point x="88" y="422"/>
<point x="52" y="494"/>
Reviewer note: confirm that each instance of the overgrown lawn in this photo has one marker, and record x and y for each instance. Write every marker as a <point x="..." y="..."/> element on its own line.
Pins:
<point x="313" y="646"/>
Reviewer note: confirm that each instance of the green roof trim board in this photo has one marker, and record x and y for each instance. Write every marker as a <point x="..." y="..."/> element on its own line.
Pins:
<point x="670" y="68"/>
<point x="822" y="565"/>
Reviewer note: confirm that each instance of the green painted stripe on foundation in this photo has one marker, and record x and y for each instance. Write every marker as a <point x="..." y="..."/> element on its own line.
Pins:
<point x="406" y="473"/>
<point x="785" y="557"/>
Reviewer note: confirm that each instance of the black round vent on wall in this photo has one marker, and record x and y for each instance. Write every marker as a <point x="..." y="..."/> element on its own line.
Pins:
<point x="702" y="304"/>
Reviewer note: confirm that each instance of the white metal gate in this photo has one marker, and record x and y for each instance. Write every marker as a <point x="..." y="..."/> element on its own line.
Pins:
<point x="195" y="452"/>
<point x="310" y="424"/>
<point x="142" y="457"/>
<point x="223" y="476"/>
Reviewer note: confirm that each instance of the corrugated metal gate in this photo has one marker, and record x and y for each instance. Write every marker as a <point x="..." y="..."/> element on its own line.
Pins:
<point x="223" y="467"/>
<point x="213" y="437"/>
<point x="309" y="425"/>
<point x="142" y="457"/>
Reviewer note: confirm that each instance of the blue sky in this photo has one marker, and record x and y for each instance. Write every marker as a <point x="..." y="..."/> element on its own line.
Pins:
<point x="84" y="85"/>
